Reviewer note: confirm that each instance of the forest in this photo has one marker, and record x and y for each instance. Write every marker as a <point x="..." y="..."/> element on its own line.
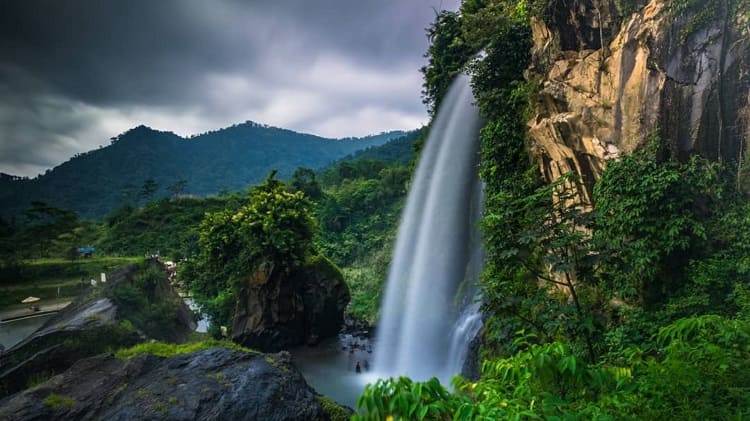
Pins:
<point x="612" y="288"/>
<point x="633" y="305"/>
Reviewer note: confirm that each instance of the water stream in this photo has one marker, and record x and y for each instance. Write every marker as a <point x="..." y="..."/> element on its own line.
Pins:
<point x="428" y="315"/>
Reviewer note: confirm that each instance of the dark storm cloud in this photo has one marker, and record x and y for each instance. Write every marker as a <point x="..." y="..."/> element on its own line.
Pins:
<point x="74" y="73"/>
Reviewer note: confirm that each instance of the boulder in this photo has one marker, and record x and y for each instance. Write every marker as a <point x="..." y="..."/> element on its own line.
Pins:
<point x="277" y="309"/>
<point x="212" y="384"/>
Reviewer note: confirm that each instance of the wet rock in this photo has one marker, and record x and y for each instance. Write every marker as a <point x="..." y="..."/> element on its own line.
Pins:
<point x="213" y="384"/>
<point x="278" y="309"/>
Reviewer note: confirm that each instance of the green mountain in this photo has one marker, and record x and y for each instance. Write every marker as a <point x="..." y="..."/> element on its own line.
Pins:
<point x="144" y="164"/>
<point x="400" y="150"/>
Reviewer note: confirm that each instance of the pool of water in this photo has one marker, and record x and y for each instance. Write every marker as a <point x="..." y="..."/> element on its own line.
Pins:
<point x="330" y="367"/>
<point x="13" y="332"/>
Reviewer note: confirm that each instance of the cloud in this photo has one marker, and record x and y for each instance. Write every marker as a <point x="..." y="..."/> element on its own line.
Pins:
<point x="74" y="74"/>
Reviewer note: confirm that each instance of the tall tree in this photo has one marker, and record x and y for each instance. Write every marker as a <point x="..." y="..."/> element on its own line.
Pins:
<point x="148" y="189"/>
<point x="178" y="187"/>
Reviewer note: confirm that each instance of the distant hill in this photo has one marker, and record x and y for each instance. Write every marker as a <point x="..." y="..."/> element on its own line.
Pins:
<point x="399" y="150"/>
<point x="97" y="182"/>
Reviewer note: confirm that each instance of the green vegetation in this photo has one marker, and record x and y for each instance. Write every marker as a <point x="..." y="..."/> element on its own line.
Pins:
<point x="358" y="213"/>
<point x="356" y="203"/>
<point x="334" y="411"/>
<point x="700" y="372"/>
<point x="42" y="278"/>
<point x="169" y="227"/>
<point x="55" y="401"/>
<point x="143" y="164"/>
<point x="161" y="349"/>
<point x="274" y="229"/>
<point x="632" y="307"/>
<point x="148" y="303"/>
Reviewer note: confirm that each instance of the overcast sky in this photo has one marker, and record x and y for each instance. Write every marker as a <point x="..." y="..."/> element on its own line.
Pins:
<point x="75" y="73"/>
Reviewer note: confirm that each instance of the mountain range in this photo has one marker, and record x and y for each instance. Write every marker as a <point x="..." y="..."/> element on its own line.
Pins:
<point x="144" y="163"/>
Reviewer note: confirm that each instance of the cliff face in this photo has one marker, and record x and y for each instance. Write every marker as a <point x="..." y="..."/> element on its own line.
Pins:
<point x="277" y="309"/>
<point x="686" y="74"/>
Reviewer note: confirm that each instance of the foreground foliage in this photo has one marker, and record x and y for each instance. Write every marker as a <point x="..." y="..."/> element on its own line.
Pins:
<point x="634" y="306"/>
<point x="698" y="370"/>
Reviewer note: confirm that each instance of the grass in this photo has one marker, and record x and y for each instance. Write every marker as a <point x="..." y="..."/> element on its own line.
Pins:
<point x="161" y="349"/>
<point x="11" y="296"/>
<point x="55" y="401"/>
<point x="42" y="277"/>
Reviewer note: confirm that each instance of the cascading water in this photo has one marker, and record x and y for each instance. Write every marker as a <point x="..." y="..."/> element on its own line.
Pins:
<point x="428" y="315"/>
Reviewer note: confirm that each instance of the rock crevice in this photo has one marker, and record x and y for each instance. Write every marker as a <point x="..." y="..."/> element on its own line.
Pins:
<point x="599" y="101"/>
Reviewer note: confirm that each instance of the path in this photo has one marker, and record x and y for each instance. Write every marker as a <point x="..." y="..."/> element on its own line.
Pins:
<point x="18" y="313"/>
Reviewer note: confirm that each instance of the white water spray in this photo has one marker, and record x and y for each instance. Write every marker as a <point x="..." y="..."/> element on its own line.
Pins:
<point x="427" y="316"/>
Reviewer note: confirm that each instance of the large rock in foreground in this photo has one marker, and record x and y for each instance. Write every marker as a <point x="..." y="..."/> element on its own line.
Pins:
<point x="213" y="384"/>
<point x="276" y="309"/>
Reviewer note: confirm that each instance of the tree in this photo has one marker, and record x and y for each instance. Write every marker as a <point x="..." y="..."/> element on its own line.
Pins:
<point x="275" y="228"/>
<point x="178" y="187"/>
<point x="304" y="180"/>
<point x="447" y="56"/>
<point x="148" y="189"/>
<point x="45" y="223"/>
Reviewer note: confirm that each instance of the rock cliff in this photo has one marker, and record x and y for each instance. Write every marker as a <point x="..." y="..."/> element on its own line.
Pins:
<point x="277" y="308"/>
<point x="215" y="384"/>
<point x="612" y="72"/>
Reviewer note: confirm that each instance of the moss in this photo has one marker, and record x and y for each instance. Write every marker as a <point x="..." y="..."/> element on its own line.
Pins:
<point x="276" y="364"/>
<point x="55" y="401"/>
<point x="38" y="378"/>
<point x="173" y="400"/>
<point x="111" y="398"/>
<point x="334" y="411"/>
<point x="161" y="349"/>
<point x="323" y="265"/>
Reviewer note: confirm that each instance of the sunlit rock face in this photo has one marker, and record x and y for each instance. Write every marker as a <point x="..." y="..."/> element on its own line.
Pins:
<point x="602" y="99"/>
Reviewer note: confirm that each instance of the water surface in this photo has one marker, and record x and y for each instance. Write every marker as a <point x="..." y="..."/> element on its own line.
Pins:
<point x="14" y="331"/>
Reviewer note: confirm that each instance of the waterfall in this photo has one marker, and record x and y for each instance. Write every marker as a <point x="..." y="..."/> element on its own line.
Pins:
<point x="428" y="315"/>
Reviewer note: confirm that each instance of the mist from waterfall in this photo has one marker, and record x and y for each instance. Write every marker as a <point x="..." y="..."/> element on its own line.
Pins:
<point x="428" y="315"/>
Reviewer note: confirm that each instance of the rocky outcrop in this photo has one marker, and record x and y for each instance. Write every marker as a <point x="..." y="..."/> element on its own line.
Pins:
<point x="90" y="325"/>
<point x="81" y="330"/>
<point x="181" y="323"/>
<point x="213" y="384"/>
<point x="609" y="78"/>
<point x="277" y="309"/>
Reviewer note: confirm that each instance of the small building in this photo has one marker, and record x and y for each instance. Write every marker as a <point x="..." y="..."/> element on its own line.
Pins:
<point x="85" y="251"/>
